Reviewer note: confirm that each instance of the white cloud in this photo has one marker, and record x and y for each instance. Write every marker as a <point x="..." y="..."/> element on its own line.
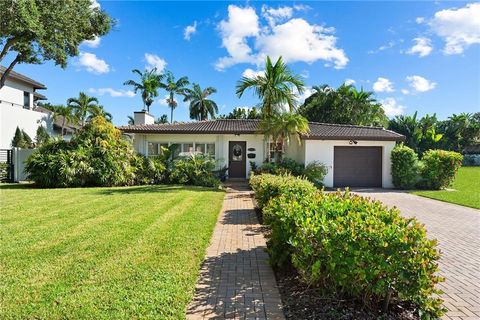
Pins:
<point x="273" y="16"/>
<point x="383" y="85"/>
<point x="294" y="40"/>
<point x="112" y="92"/>
<point x="190" y="30"/>
<point x="94" y="4"/>
<point x="154" y="61"/>
<point x="420" y="84"/>
<point x="241" y="24"/>
<point x="308" y="91"/>
<point x="392" y="107"/>
<point x="384" y="47"/>
<point x="423" y="47"/>
<point x="420" y="20"/>
<point x="250" y="73"/>
<point x="405" y="91"/>
<point x="92" y="43"/>
<point x="92" y="63"/>
<point x="349" y="82"/>
<point x="297" y="40"/>
<point x="459" y="28"/>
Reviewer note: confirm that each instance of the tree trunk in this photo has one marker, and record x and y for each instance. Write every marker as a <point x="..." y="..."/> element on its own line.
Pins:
<point x="7" y="71"/>
<point x="5" y="49"/>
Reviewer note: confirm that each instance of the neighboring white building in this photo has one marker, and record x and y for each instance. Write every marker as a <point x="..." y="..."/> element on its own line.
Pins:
<point x="18" y="108"/>
<point x="356" y="156"/>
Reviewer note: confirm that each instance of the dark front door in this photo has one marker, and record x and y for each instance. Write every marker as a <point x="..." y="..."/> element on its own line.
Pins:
<point x="237" y="155"/>
<point x="357" y="167"/>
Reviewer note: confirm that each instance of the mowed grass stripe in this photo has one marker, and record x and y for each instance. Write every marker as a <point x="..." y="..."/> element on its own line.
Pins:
<point x="136" y="254"/>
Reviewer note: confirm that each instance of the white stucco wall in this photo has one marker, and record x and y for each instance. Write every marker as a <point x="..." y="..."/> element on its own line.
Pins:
<point x="19" y="157"/>
<point x="322" y="151"/>
<point x="28" y="120"/>
<point x="140" y="143"/>
<point x="12" y="93"/>
<point x="295" y="150"/>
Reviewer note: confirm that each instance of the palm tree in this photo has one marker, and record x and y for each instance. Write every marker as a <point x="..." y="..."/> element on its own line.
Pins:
<point x="280" y="128"/>
<point x="200" y="106"/>
<point x="148" y="85"/>
<point x="66" y="112"/>
<point x="99" y="111"/>
<point x="131" y="120"/>
<point x="173" y="87"/>
<point x="162" y="120"/>
<point x="83" y="106"/>
<point x="276" y="87"/>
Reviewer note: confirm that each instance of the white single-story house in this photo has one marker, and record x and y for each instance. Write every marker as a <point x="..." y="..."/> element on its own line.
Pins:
<point x="356" y="156"/>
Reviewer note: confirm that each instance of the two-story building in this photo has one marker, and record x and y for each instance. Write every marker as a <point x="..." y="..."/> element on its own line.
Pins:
<point x="18" y="107"/>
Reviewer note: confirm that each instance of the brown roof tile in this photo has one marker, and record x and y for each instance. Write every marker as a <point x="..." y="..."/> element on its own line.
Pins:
<point x="318" y="131"/>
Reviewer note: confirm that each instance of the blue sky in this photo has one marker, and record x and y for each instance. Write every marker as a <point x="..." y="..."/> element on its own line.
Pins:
<point x="421" y="56"/>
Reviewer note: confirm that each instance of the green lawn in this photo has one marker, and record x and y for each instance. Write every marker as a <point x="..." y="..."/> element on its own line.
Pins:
<point x="102" y="253"/>
<point x="466" y="189"/>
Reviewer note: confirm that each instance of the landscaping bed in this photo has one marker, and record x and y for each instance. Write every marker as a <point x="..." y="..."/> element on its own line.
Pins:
<point x="102" y="253"/>
<point x="303" y="302"/>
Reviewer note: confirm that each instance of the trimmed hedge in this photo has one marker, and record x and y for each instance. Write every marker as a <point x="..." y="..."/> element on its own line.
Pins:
<point x="439" y="168"/>
<point x="405" y="167"/>
<point x="350" y="246"/>
<point x="267" y="186"/>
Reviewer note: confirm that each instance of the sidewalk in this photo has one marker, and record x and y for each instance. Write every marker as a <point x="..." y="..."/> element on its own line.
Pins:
<point x="236" y="280"/>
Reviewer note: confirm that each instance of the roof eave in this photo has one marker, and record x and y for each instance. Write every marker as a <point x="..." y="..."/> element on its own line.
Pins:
<point x="402" y="138"/>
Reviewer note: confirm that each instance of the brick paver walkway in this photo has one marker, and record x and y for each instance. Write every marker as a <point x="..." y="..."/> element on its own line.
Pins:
<point x="236" y="280"/>
<point x="457" y="229"/>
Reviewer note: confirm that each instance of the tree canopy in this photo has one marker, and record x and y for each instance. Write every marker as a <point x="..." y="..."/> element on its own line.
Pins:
<point x="276" y="87"/>
<point x="200" y="106"/>
<point x="243" y="113"/>
<point x="150" y="82"/>
<point x="34" y="31"/>
<point x="344" y="105"/>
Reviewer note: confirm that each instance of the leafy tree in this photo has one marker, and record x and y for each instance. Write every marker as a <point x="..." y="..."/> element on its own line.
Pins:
<point x="344" y="105"/>
<point x="282" y="127"/>
<point x="149" y="83"/>
<point x="460" y="131"/>
<point x="200" y="106"/>
<point x="243" y="113"/>
<point x="173" y="87"/>
<point x="42" y="136"/>
<point x="34" y="31"/>
<point x="18" y="141"/>
<point x="162" y="119"/>
<point x="275" y="87"/>
<point x="83" y="107"/>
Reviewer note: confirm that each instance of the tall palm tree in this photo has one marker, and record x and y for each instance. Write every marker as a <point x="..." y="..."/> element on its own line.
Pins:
<point x="200" y="106"/>
<point x="100" y="111"/>
<point x="280" y="128"/>
<point x="173" y="87"/>
<point x="148" y="86"/>
<point x="66" y="112"/>
<point x="83" y="106"/>
<point x="276" y="87"/>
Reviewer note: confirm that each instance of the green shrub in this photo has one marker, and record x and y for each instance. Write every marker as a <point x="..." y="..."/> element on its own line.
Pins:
<point x="354" y="247"/>
<point x="439" y="168"/>
<point x="97" y="156"/>
<point x="267" y="186"/>
<point x="405" y="167"/>
<point x="315" y="172"/>
<point x="149" y="170"/>
<point x="194" y="170"/>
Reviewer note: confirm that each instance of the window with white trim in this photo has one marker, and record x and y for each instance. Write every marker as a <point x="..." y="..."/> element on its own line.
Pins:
<point x="182" y="149"/>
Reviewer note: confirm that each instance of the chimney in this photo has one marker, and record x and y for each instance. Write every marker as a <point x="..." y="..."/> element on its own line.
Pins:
<point x="143" y="117"/>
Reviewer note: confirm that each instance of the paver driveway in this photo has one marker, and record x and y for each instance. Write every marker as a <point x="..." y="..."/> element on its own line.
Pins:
<point x="457" y="229"/>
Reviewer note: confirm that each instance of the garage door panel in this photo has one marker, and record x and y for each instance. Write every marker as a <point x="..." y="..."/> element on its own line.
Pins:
<point x="357" y="167"/>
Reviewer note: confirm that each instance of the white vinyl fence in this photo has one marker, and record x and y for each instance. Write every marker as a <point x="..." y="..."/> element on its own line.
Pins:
<point x="19" y="157"/>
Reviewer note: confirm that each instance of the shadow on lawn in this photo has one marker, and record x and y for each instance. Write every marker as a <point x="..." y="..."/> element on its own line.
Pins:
<point x="153" y="189"/>
<point x="15" y="186"/>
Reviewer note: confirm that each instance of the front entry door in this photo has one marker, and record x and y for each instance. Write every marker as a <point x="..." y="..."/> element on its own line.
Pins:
<point x="237" y="167"/>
